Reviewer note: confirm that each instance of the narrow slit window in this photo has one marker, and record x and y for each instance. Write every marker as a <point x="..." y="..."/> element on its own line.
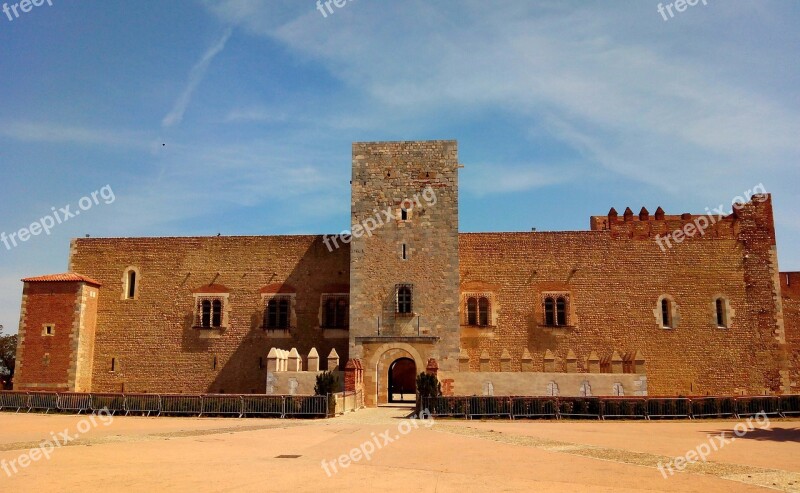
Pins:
<point x="722" y="313"/>
<point x="131" y="285"/>
<point x="666" y="315"/>
<point x="404" y="214"/>
<point x="405" y="253"/>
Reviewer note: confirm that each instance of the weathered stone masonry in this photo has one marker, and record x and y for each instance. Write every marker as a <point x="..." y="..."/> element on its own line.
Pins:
<point x="608" y="286"/>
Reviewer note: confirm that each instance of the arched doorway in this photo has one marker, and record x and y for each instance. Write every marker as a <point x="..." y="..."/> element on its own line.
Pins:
<point x="403" y="380"/>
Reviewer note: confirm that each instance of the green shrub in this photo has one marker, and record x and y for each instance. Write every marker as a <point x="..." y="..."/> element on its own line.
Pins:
<point x="327" y="383"/>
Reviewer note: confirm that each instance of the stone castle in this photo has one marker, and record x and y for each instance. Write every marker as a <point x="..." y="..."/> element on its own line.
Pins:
<point x="608" y="311"/>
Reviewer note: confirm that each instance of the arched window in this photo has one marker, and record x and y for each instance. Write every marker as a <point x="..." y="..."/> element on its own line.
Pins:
<point x="721" y="305"/>
<point x="472" y="311"/>
<point x="666" y="313"/>
<point x="130" y="280"/>
<point x="404" y="300"/>
<point x="205" y="317"/>
<point x="561" y="311"/>
<point x="483" y="311"/>
<point x="216" y="315"/>
<point x="549" y="311"/>
<point x="131" y="284"/>
<point x="403" y="214"/>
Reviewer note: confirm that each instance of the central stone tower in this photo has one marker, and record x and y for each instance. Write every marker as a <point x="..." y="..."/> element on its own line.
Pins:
<point x="404" y="277"/>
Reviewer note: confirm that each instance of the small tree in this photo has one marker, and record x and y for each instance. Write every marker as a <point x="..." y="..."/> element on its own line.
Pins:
<point x="8" y="355"/>
<point x="328" y="384"/>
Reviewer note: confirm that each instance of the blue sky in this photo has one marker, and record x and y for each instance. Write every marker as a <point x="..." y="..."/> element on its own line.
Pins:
<point x="237" y="116"/>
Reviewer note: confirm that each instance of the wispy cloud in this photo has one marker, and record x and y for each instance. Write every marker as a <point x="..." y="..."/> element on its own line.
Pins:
<point x="195" y="77"/>
<point x="55" y="133"/>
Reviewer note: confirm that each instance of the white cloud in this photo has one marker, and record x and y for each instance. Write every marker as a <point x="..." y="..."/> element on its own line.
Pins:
<point x="196" y="75"/>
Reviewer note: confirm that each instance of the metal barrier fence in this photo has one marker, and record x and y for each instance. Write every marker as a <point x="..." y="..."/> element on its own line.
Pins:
<point x="290" y="406"/>
<point x="610" y="407"/>
<point x="239" y="405"/>
<point x="750" y="406"/>
<point x="713" y="407"/>
<point x="669" y="407"/>
<point x="489" y="407"/>
<point x="579" y="407"/>
<point x="790" y="405"/>
<point x="623" y="408"/>
<point x="526" y="407"/>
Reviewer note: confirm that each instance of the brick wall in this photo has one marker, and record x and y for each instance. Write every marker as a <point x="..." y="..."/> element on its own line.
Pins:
<point x="46" y="363"/>
<point x="614" y="279"/>
<point x="152" y="338"/>
<point x="790" y="289"/>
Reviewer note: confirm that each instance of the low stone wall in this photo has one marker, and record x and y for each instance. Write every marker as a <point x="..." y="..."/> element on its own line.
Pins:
<point x="534" y="384"/>
<point x="295" y="382"/>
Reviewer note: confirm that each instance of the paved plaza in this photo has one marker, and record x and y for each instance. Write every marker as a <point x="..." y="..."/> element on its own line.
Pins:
<point x="380" y="450"/>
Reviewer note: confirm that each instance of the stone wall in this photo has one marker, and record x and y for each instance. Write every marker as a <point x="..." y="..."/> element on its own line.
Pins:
<point x="790" y="289"/>
<point x="614" y="279"/>
<point x="538" y="384"/>
<point x="417" y="248"/>
<point x="152" y="338"/>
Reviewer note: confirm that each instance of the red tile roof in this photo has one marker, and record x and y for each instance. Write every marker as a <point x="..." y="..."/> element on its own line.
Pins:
<point x="278" y="287"/>
<point x="66" y="277"/>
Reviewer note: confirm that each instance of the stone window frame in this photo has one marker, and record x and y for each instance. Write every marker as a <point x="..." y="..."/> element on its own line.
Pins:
<point x="674" y="313"/>
<point x="569" y="316"/>
<point x="406" y="206"/>
<point x="478" y="295"/>
<point x="126" y="279"/>
<point x="266" y="298"/>
<point x="410" y="311"/>
<point x="728" y="313"/>
<point x="52" y="328"/>
<point x="223" y="299"/>
<point x="323" y="314"/>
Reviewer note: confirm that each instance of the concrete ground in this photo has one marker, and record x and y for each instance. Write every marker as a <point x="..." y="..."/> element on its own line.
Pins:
<point x="207" y="454"/>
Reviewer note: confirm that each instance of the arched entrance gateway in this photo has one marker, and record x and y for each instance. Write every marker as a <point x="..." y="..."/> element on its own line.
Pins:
<point x="402" y="380"/>
<point x="391" y="373"/>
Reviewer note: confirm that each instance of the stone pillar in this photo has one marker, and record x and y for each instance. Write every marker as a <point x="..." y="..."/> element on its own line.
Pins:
<point x="485" y="361"/>
<point x="350" y="376"/>
<point x="505" y="361"/>
<point x="572" y="362"/>
<point x="333" y="360"/>
<point x="295" y="362"/>
<point x="272" y="361"/>
<point x="313" y="360"/>
<point x="549" y="362"/>
<point x="526" y="363"/>
<point x="616" y="363"/>
<point x="432" y="368"/>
